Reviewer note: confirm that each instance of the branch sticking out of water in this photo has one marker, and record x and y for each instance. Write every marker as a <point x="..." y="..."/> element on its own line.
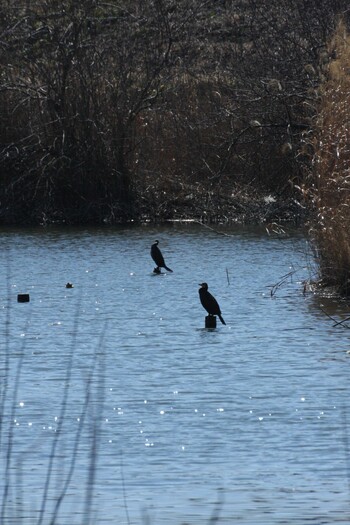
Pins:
<point x="273" y="227"/>
<point x="341" y="323"/>
<point x="336" y="323"/>
<point x="280" y="283"/>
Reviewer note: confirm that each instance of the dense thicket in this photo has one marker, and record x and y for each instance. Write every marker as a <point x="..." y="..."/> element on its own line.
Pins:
<point x="114" y="110"/>
<point x="331" y="168"/>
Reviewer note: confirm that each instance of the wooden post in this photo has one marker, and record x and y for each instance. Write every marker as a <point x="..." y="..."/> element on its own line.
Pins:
<point x="210" y="321"/>
<point x="23" y="298"/>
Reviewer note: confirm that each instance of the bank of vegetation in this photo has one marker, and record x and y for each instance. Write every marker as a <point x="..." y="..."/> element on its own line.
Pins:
<point x="330" y="182"/>
<point x="158" y="110"/>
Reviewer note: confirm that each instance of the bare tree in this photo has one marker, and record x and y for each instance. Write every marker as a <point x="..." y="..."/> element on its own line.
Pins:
<point x="103" y="101"/>
<point x="77" y="78"/>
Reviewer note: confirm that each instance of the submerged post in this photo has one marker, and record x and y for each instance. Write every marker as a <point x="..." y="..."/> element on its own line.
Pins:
<point x="210" y="321"/>
<point x="23" y="298"/>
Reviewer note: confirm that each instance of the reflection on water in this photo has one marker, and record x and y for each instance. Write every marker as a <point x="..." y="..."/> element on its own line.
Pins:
<point x="119" y="382"/>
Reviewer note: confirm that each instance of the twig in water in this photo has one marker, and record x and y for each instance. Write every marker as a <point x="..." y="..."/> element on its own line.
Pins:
<point x="215" y="517"/>
<point x="124" y="491"/>
<point x="94" y="442"/>
<point x="213" y="229"/>
<point x="228" y="277"/>
<point x="278" y="285"/>
<point x="274" y="228"/>
<point x="341" y="323"/>
<point x="85" y="406"/>
<point x="327" y="314"/>
<point x="9" y="455"/>
<point x="60" y="419"/>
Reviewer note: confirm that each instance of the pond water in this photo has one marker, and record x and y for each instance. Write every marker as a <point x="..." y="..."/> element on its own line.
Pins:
<point x="118" y="406"/>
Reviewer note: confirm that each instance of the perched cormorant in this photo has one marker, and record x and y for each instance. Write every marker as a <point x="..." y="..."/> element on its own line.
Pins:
<point x="158" y="258"/>
<point x="209" y="302"/>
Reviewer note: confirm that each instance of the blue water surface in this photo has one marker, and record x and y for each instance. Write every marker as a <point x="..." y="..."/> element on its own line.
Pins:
<point x="118" y="406"/>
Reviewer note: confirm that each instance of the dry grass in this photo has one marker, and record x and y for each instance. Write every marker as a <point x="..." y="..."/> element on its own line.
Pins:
<point x="332" y="167"/>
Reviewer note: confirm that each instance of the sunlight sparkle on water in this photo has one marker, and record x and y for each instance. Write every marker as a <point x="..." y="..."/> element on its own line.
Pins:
<point x="215" y="369"/>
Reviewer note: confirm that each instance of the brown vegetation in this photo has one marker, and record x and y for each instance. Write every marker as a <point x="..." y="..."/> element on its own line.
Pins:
<point x="331" y="190"/>
<point x="156" y="109"/>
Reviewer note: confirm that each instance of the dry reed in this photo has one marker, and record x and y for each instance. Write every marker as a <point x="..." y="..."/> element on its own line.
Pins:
<point x="332" y="167"/>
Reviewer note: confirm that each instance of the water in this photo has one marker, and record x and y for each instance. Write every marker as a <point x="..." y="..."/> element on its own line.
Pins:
<point x="169" y="422"/>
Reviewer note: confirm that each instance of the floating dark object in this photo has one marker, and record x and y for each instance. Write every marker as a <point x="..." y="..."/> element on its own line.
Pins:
<point x="209" y="302"/>
<point x="69" y="285"/>
<point x="158" y="258"/>
<point x="23" y="298"/>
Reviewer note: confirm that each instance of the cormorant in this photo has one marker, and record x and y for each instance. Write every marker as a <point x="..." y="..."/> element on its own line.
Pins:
<point x="158" y="258"/>
<point x="209" y="302"/>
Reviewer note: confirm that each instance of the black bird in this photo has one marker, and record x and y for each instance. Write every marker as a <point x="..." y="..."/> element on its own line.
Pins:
<point x="209" y="302"/>
<point x="158" y="258"/>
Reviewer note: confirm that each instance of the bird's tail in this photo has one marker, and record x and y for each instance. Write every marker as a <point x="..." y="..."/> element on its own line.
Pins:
<point x="168" y="269"/>
<point x="221" y="319"/>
